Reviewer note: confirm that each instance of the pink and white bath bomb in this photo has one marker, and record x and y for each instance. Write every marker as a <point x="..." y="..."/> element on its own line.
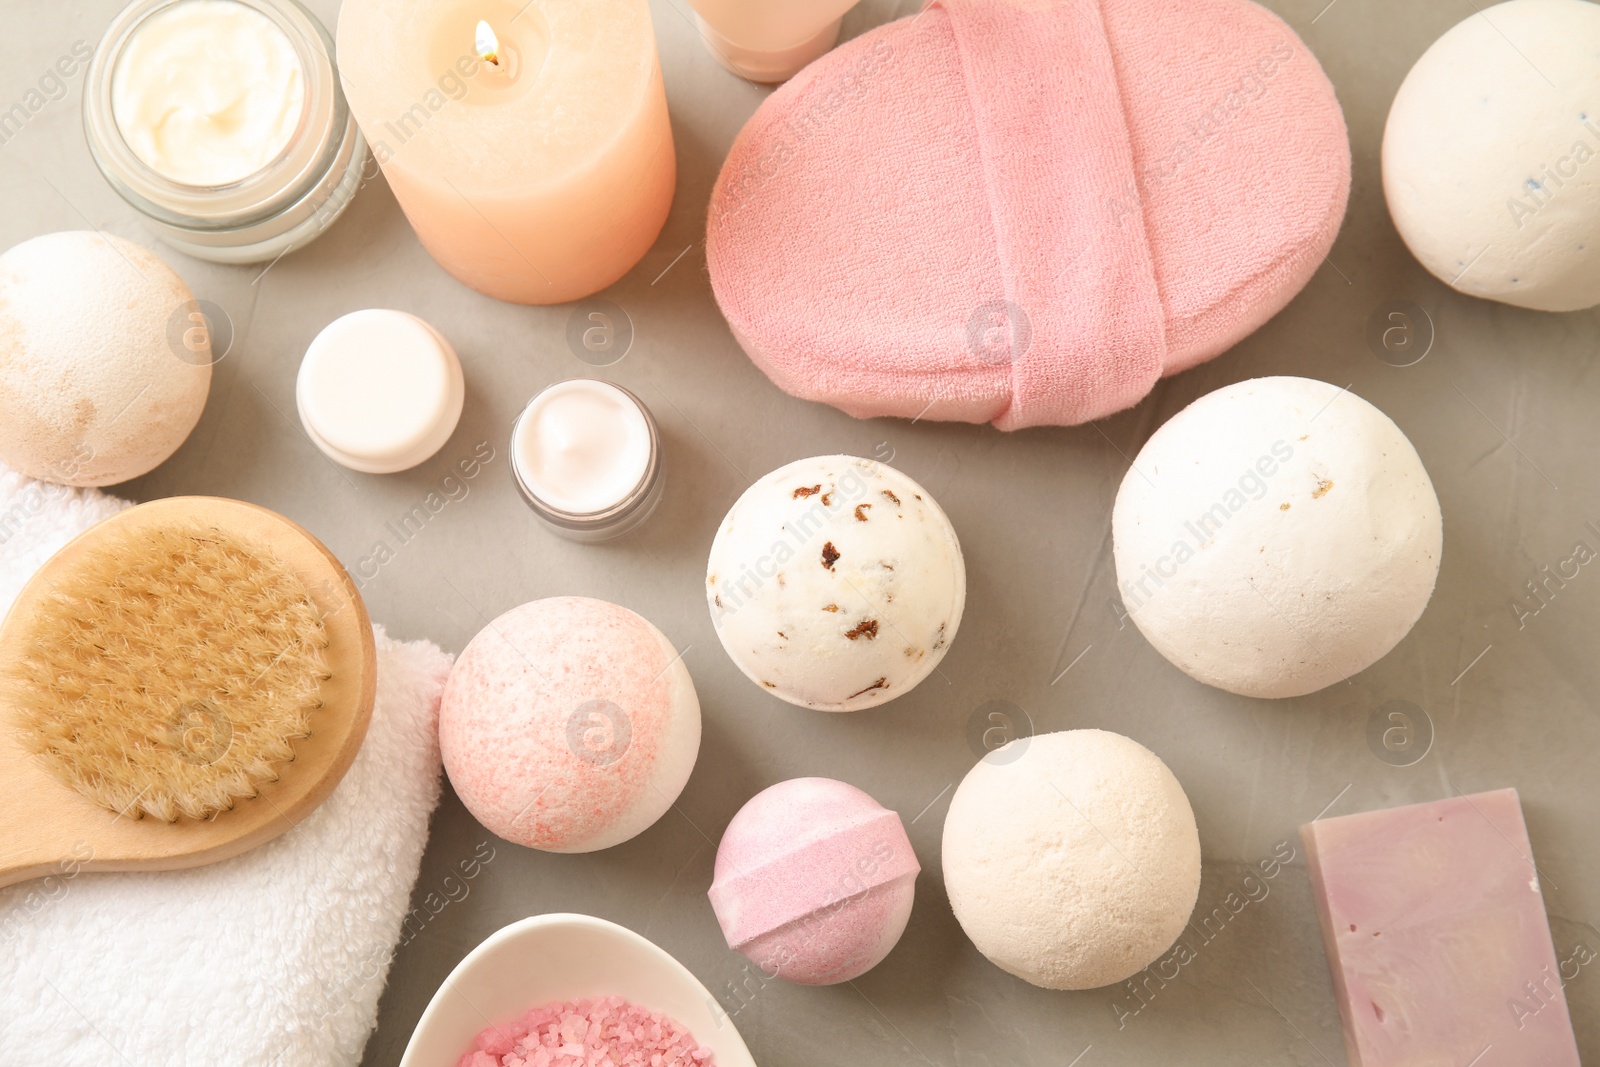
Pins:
<point x="1071" y="859"/>
<point x="814" y="881"/>
<point x="569" y="725"/>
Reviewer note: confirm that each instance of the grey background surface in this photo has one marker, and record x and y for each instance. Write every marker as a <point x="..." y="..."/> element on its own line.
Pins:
<point x="1502" y="410"/>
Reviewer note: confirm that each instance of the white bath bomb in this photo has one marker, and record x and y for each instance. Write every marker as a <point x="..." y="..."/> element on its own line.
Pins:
<point x="1276" y="536"/>
<point x="1491" y="156"/>
<point x="1074" y="864"/>
<point x="836" y="583"/>
<point x="93" y="389"/>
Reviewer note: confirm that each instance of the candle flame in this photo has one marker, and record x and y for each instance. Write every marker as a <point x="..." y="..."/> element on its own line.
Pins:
<point x="487" y="44"/>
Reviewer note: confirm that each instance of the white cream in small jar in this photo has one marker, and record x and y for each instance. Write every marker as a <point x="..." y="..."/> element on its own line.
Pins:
<point x="586" y="456"/>
<point x="207" y="92"/>
<point x="223" y="121"/>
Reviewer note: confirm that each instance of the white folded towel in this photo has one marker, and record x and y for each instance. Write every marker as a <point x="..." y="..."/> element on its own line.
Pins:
<point x="273" y="957"/>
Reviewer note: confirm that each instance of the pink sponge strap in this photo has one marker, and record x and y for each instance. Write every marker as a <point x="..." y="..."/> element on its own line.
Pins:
<point x="817" y="876"/>
<point x="1078" y="315"/>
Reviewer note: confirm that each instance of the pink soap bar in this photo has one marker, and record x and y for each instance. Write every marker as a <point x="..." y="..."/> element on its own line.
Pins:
<point x="1437" y="938"/>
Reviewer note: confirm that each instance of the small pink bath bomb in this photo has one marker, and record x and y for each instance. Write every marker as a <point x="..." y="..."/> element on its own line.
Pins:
<point x="569" y="725"/>
<point x="814" y="881"/>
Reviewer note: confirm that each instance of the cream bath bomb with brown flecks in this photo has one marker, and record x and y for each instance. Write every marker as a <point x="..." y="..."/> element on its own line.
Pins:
<point x="1276" y="536"/>
<point x="836" y="583"/>
<point x="105" y="362"/>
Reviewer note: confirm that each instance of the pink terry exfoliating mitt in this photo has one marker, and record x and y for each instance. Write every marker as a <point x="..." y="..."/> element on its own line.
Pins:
<point x="1027" y="211"/>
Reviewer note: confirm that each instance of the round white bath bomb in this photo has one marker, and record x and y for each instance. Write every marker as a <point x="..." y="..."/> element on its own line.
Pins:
<point x="836" y="583"/>
<point x="1074" y="864"/>
<point x="1491" y="156"/>
<point x="1276" y="536"/>
<point x="101" y="375"/>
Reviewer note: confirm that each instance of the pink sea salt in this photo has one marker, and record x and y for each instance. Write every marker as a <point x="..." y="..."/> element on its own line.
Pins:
<point x="603" y="1032"/>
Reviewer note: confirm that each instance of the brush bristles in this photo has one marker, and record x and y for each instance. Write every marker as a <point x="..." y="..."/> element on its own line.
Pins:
<point x="170" y="672"/>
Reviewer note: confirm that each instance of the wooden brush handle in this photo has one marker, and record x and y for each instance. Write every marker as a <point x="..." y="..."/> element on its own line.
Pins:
<point x="25" y="855"/>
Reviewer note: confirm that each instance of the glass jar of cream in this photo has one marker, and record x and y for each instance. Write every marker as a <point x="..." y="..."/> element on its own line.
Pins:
<point x="223" y="121"/>
<point x="586" y="456"/>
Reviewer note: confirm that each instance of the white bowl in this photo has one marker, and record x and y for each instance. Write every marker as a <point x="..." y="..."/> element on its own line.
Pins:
<point x="551" y="958"/>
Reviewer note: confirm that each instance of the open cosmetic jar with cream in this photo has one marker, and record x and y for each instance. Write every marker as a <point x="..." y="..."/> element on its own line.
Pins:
<point x="768" y="40"/>
<point x="586" y="456"/>
<point x="223" y="121"/>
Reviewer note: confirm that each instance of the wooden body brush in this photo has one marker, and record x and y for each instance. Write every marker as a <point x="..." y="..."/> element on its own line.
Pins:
<point x="184" y="681"/>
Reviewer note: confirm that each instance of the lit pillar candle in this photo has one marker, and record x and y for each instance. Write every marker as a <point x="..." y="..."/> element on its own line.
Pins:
<point x="527" y="142"/>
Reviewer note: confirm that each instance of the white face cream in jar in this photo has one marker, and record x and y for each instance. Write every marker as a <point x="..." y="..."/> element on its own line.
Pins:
<point x="586" y="456"/>
<point x="223" y="121"/>
<point x="207" y="92"/>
